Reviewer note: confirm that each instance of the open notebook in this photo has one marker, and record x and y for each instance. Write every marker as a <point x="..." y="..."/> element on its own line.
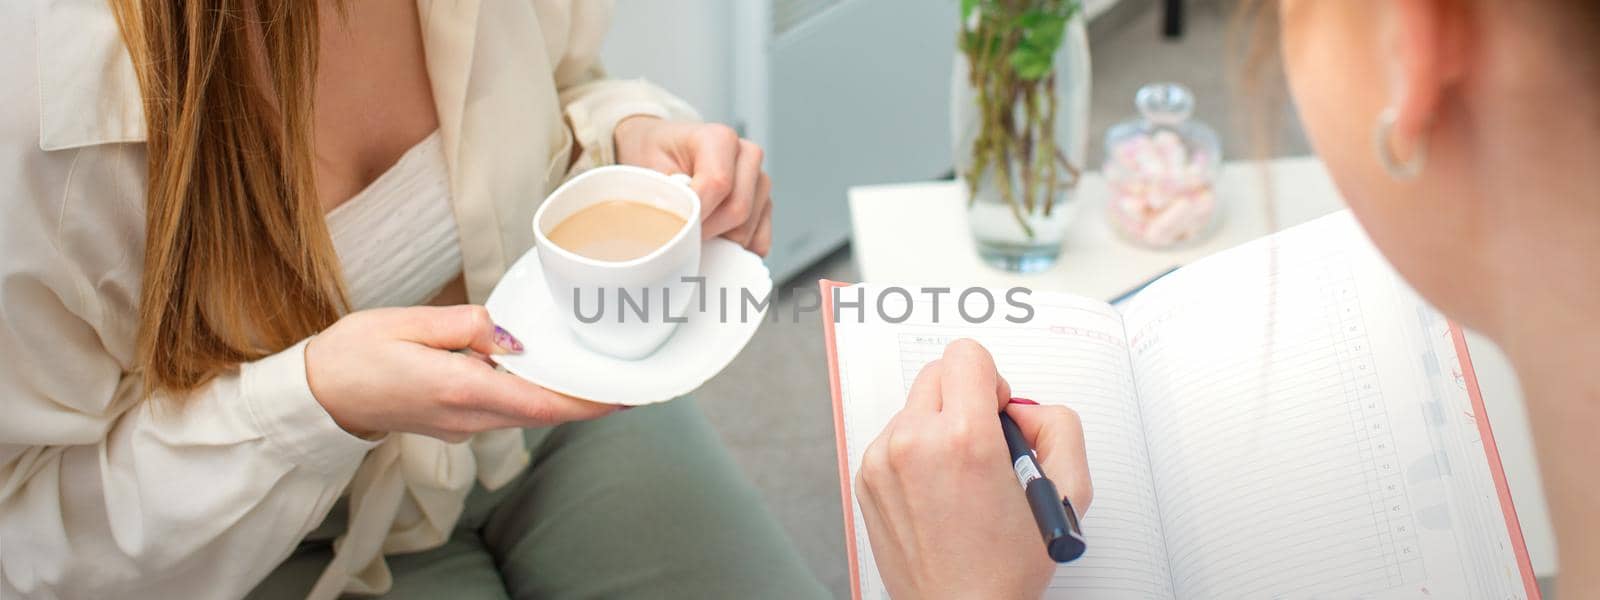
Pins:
<point x="1283" y="419"/>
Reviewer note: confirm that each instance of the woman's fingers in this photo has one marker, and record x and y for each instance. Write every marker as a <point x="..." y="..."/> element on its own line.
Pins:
<point x="761" y="240"/>
<point x="1003" y="391"/>
<point x="713" y="151"/>
<point x="924" y="394"/>
<point x="737" y="217"/>
<point x="482" y="397"/>
<point x="532" y="405"/>
<point x="725" y="172"/>
<point x="881" y="484"/>
<point x="486" y="359"/>
<point x="1056" y="433"/>
<point x="466" y="326"/>
<point x="971" y="386"/>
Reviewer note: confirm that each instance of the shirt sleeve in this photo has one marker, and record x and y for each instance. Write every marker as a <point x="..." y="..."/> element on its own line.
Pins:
<point x="592" y="103"/>
<point x="104" y="492"/>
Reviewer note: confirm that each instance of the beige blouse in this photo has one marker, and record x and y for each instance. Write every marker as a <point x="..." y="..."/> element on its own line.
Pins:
<point x="105" y="493"/>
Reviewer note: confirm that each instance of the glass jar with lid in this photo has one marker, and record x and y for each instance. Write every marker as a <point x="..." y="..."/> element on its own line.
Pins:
<point x="1161" y="168"/>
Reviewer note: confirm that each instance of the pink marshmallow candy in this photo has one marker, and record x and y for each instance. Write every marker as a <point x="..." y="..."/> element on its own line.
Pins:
<point x="1161" y="190"/>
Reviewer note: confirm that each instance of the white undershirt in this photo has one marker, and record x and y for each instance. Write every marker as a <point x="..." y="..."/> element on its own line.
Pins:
<point x="397" y="237"/>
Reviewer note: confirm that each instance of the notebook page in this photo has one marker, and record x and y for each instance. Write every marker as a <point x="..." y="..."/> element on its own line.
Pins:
<point x="1306" y="437"/>
<point x="1072" y="353"/>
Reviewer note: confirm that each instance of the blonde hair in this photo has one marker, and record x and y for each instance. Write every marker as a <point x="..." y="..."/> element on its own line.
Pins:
<point x="237" y="260"/>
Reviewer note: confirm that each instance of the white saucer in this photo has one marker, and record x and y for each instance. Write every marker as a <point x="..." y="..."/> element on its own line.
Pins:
<point x="698" y="350"/>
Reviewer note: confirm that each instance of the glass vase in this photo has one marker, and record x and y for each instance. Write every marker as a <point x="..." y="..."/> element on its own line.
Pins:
<point x="1018" y="225"/>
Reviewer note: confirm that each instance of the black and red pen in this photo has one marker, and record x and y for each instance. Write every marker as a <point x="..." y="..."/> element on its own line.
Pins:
<point x="1058" y="522"/>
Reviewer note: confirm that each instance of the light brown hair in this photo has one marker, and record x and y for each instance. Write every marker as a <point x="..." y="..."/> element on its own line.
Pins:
<point x="238" y="263"/>
<point x="1257" y="72"/>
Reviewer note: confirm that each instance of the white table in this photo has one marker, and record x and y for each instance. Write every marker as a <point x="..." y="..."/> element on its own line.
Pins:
<point x="917" y="234"/>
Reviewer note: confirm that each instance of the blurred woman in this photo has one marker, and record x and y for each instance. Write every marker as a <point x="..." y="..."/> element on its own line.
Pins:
<point x="222" y="218"/>
<point x="1465" y="135"/>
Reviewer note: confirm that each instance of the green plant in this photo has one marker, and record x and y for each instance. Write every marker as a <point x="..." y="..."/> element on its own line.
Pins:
<point x="1010" y="47"/>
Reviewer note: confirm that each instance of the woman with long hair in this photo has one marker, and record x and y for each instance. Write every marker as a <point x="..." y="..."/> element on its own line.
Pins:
<point x="242" y="250"/>
<point x="1465" y="135"/>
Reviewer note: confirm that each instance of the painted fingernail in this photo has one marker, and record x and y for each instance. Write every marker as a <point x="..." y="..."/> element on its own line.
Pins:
<point x="506" y="341"/>
<point x="1026" y="401"/>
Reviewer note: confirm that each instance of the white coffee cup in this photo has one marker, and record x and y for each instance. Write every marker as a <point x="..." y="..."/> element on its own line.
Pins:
<point x="602" y="301"/>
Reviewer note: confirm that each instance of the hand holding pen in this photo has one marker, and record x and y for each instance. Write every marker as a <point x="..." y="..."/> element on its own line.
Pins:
<point x="944" y="512"/>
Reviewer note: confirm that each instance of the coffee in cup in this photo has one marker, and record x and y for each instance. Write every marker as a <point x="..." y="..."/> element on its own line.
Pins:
<point x="617" y="230"/>
<point x="620" y="250"/>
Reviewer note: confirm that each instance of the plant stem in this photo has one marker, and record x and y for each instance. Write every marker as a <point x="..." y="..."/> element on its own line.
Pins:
<point x="1016" y="114"/>
<point x="1025" y="145"/>
<point x="1048" y="142"/>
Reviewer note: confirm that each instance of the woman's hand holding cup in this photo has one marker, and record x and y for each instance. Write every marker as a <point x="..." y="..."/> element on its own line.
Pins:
<point x="396" y="370"/>
<point x="735" y="193"/>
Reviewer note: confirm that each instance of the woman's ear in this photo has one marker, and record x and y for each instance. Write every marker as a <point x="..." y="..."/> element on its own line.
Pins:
<point x="1429" y="39"/>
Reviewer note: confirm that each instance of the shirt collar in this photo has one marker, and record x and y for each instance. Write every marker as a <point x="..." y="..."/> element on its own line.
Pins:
<point x="88" y="93"/>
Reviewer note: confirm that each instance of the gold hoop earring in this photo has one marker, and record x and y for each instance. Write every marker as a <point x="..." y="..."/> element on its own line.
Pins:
<point x="1398" y="169"/>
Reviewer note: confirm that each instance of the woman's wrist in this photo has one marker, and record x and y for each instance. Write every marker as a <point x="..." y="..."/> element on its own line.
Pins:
<point x="320" y="391"/>
<point x="279" y="401"/>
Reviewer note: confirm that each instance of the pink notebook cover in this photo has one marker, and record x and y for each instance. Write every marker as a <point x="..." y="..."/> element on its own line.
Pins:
<point x="1507" y="509"/>
<point x="846" y="489"/>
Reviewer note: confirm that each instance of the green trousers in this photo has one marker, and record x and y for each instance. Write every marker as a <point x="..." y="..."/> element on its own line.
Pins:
<point x="645" y="503"/>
